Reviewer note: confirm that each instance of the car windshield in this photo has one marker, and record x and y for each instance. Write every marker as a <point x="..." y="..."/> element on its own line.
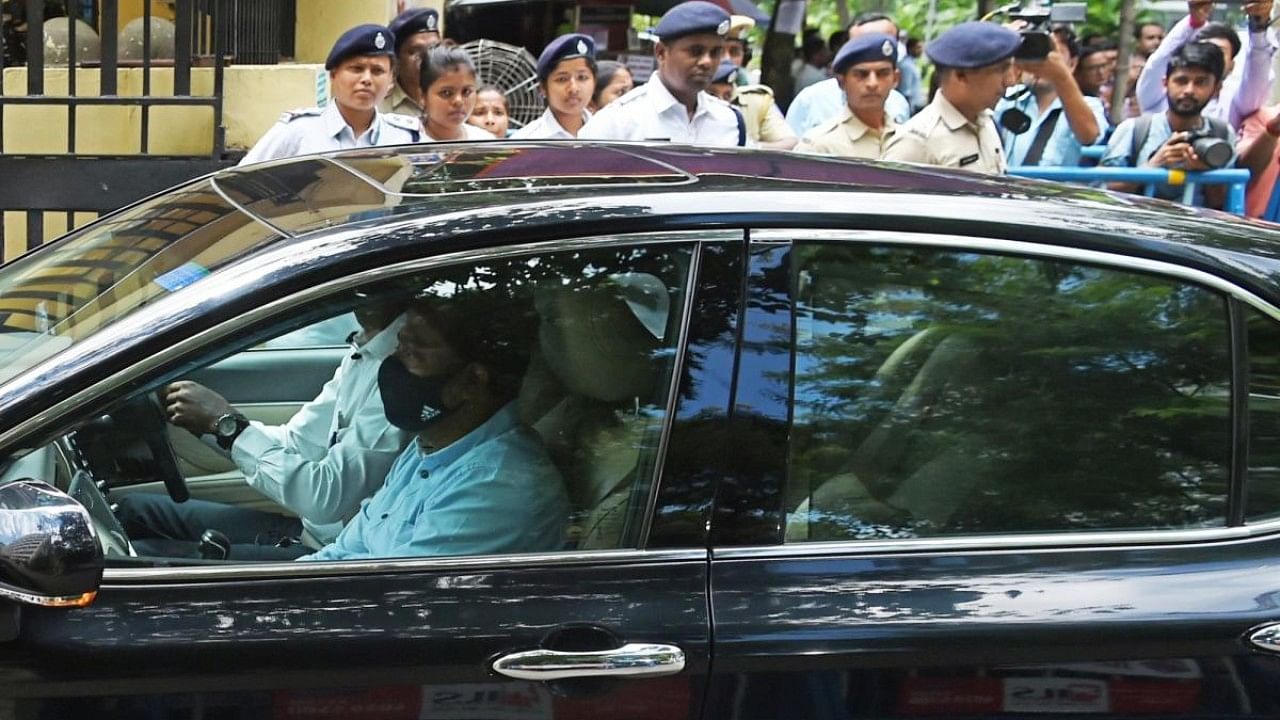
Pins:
<point x="64" y="292"/>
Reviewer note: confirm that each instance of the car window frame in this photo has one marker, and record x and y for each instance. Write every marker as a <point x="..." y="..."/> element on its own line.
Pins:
<point x="731" y="542"/>
<point x="114" y="386"/>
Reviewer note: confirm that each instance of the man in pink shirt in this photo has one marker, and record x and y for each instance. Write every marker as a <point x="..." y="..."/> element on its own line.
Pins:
<point x="1257" y="151"/>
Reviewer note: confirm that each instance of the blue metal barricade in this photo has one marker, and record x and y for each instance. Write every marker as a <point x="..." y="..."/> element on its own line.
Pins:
<point x="1234" y="179"/>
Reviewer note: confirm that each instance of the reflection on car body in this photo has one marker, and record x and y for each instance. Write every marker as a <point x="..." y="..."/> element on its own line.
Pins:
<point x="836" y="440"/>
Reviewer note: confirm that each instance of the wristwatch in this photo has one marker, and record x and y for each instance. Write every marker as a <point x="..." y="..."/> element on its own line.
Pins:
<point x="228" y="427"/>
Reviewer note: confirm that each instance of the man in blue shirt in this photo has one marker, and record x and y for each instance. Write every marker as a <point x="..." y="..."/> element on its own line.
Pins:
<point x="1194" y="76"/>
<point x="1063" y="119"/>
<point x="476" y="481"/>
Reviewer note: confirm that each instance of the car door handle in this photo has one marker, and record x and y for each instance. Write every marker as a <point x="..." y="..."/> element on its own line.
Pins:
<point x="633" y="660"/>
<point x="1265" y="637"/>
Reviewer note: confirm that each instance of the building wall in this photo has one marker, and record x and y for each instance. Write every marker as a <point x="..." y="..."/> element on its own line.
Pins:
<point x="320" y="22"/>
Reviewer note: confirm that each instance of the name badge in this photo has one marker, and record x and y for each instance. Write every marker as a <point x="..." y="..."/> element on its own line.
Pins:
<point x="968" y="160"/>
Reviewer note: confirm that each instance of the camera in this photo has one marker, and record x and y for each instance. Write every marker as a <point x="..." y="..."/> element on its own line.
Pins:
<point x="1036" y="44"/>
<point x="1214" y="151"/>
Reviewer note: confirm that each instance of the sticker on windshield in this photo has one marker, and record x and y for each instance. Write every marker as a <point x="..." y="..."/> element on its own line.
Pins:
<point x="181" y="276"/>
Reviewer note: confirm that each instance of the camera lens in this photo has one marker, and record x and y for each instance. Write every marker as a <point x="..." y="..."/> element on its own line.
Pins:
<point x="1215" y="153"/>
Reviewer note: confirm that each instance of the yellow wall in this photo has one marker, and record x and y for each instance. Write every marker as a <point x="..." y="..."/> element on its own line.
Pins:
<point x="320" y="22"/>
<point x="130" y="9"/>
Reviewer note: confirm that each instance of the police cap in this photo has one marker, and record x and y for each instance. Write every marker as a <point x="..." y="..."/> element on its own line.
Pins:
<point x="414" y="21"/>
<point x="692" y="18"/>
<point x="726" y="73"/>
<point x="973" y="44"/>
<point x="565" y="47"/>
<point x="871" y="47"/>
<point x="361" y="40"/>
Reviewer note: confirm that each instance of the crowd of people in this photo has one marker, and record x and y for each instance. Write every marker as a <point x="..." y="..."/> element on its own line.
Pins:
<point x="971" y="98"/>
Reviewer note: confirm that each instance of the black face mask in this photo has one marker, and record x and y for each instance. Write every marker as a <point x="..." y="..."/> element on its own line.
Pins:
<point x="410" y="402"/>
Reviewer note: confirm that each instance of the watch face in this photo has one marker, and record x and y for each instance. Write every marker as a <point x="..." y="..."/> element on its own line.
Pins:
<point x="226" y="426"/>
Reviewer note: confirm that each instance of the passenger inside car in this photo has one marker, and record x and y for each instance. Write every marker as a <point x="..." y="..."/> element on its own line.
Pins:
<point x="475" y="480"/>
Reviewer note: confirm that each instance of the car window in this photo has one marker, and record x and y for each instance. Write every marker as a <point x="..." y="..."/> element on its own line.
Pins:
<point x="947" y="393"/>
<point x="330" y="332"/>
<point x="1262" y="500"/>
<point x="508" y="405"/>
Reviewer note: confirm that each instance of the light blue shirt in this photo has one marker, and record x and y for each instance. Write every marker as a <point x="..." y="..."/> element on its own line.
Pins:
<point x="315" y="130"/>
<point x="1062" y="149"/>
<point x="911" y="85"/>
<point x="1117" y="154"/>
<point x="494" y="490"/>
<point x="825" y="100"/>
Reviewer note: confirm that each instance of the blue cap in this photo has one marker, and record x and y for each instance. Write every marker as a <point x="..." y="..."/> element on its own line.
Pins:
<point x="414" y="21"/>
<point x="692" y="18"/>
<point x="565" y="47"/>
<point x="361" y="40"/>
<point x="871" y="47"/>
<point x="973" y="44"/>
<point x="726" y="73"/>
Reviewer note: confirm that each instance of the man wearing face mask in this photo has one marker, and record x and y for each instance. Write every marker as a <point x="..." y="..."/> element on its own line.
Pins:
<point x="476" y="481"/>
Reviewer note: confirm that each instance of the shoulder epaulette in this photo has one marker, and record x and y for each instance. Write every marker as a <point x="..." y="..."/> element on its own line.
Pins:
<point x="292" y="115"/>
<point x="404" y="122"/>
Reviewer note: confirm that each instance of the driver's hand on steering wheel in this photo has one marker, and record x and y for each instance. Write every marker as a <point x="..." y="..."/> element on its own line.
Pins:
<point x="192" y="406"/>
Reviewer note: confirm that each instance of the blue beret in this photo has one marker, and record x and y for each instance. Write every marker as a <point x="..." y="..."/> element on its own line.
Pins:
<point x="871" y="47"/>
<point x="691" y="18"/>
<point x="414" y="21"/>
<point x="361" y="40"/>
<point x="974" y="44"/>
<point x="726" y="72"/>
<point x="565" y="47"/>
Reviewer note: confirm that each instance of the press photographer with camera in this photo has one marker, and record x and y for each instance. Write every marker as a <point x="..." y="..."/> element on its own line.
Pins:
<point x="1047" y="119"/>
<point x="1182" y="136"/>
<point x="1242" y="93"/>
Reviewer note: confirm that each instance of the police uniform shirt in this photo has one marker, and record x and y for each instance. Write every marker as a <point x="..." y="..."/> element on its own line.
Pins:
<point x="399" y="102"/>
<point x="546" y="127"/>
<point x="847" y="136"/>
<point x="315" y="130"/>
<point x="941" y="135"/>
<point x="651" y="112"/>
<point x="470" y="132"/>
<point x="765" y="122"/>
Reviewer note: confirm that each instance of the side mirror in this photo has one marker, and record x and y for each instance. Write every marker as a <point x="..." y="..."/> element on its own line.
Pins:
<point x="49" y="552"/>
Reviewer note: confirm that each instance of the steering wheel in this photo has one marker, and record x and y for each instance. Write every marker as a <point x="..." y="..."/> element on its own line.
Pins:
<point x="145" y="417"/>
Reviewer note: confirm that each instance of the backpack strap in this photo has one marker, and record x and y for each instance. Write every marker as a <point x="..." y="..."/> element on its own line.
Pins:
<point x="1042" y="137"/>
<point x="1141" y="129"/>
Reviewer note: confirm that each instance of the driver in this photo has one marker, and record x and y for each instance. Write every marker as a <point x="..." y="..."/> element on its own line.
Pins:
<point x="331" y="455"/>
<point x="476" y="480"/>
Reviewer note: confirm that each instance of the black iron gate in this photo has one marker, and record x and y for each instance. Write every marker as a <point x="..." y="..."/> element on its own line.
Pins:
<point x="72" y="183"/>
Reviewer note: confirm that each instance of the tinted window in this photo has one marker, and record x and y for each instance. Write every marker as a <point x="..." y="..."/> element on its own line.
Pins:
<point x="941" y="393"/>
<point x="1263" y="495"/>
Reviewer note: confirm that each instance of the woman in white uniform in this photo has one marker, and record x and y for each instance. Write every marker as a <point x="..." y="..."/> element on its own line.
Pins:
<point x="448" y="81"/>
<point x="567" y="77"/>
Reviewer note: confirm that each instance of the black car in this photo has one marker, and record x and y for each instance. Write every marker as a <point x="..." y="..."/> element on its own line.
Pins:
<point x="837" y="440"/>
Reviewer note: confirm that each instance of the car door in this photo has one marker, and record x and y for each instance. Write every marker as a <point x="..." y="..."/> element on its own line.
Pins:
<point x="996" y="479"/>
<point x="615" y="624"/>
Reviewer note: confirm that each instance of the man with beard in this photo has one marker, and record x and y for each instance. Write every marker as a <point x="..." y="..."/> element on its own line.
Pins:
<point x="1162" y="140"/>
<point x="867" y="69"/>
<point x="1062" y="118"/>
<point x="476" y="481"/>
<point x="957" y="130"/>
<point x="674" y="104"/>
<point x="415" y="31"/>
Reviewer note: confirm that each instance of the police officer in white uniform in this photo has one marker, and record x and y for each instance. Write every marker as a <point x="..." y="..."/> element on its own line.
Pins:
<point x="575" y="82"/>
<point x="957" y="129"/>
<point x="361" y="69"/>
<point x="674" y="104"/>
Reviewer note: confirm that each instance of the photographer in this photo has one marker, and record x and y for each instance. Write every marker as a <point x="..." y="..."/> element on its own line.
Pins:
<point x="1182" y="136"/>
<point x="1241" y="93"/>
<point x="1061" y="118"/>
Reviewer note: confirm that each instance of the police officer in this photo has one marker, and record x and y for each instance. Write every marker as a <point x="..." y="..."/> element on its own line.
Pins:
<point x="957" y="129"/>
<point x="567" y="77"/>
<point x="866" y="69"/>
<point x="415" y="30"/>
<point x="361" y="68"/>
<point x="674" y="104"/>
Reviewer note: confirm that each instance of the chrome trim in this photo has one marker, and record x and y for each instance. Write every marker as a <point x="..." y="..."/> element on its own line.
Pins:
<point x="1265" y="637"/>
<point x="1127" y="539"/>
<point x="633" y="660"/>
<point x="140" y="323"/>
<point x="292" y="570"/>
<point x="213" y="182"/>
<point x="1022" y="247"/>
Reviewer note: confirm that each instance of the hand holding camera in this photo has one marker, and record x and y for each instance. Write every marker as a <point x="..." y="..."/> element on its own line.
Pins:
<point x="1193" y="150"/>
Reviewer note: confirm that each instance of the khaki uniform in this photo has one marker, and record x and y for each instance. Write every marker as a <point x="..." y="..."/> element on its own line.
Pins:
<point x="847" y="136"/>
<point x="940" y="135"/>
<point x="765" y="122"/>
<point x="398" y="102"/>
